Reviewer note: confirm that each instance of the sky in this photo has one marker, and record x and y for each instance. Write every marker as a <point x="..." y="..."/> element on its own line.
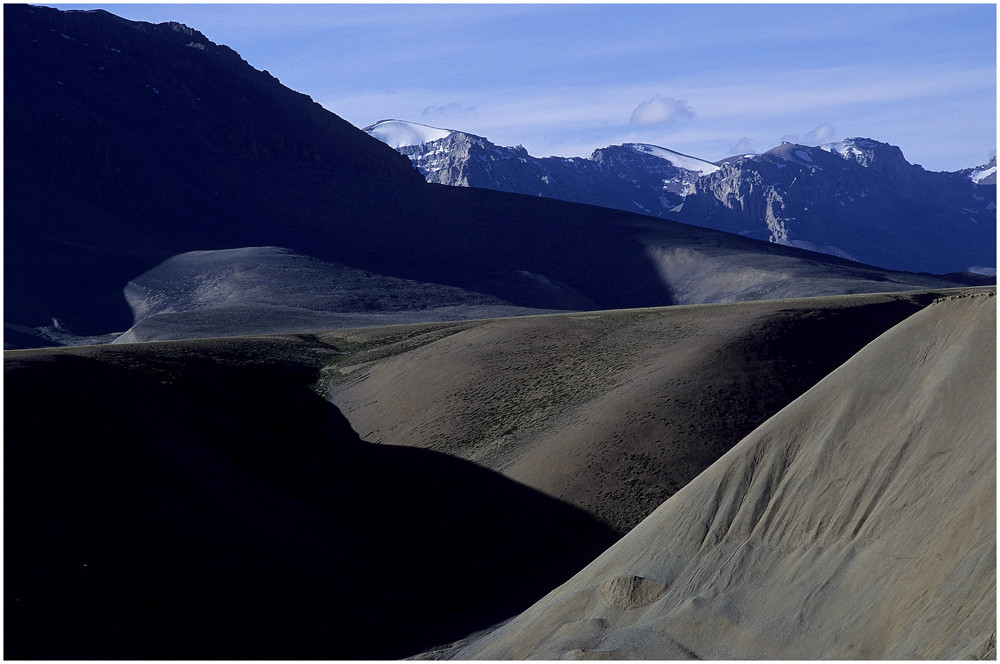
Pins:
<point x="708" y="80"/>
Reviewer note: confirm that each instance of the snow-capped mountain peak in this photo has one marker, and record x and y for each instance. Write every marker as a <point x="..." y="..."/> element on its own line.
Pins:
<point x="985" y="174"/>
<point x="399" y="133"/>
<point x="683" y="161"/>
<point x="863" y="150"/>
<point x="857" y="198"/>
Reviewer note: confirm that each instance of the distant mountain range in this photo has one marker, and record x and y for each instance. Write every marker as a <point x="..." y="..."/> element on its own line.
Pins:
<point x="858" y="198"/>
<point x="128" y="145"/>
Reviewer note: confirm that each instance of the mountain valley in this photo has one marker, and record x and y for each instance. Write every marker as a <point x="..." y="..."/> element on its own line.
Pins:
<point x="271" y="394"/>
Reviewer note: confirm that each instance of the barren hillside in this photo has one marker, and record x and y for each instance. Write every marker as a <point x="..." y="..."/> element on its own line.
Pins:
<point x="859" y="522"/>
<point x="201" y="499"/>
<point x="611" y="411"/>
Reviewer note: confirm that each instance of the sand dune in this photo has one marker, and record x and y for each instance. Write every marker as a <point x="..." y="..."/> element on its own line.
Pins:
<point x="611" y="411"/>
<point x="858" y="522"/>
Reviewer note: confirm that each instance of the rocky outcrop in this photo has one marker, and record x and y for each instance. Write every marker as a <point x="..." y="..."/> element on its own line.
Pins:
<point x="624" y="177"/>
<point x="858" y="199"/>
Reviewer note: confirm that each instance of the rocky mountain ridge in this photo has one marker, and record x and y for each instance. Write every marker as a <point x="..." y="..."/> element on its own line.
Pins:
<point x="129" y="144"/>
<point x="858" y="198"/>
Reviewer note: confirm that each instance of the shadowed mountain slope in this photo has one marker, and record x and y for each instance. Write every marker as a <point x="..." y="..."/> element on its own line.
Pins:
<point x="612" y="411"/>
<point x="858" y="522"/>
<point x="127" y="144"/>
<point x="199" y="500"/>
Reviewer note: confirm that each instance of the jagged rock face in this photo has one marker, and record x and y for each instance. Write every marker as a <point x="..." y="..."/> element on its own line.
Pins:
<point x="619" y="176"/>
<point x="659" y="186"/>
<point x="471" y="161"/>
<point x="129" y="143"/>
<point x="857" y="199"/>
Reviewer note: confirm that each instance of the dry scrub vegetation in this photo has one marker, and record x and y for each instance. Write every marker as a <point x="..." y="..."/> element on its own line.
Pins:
<point x="611" y="411"/>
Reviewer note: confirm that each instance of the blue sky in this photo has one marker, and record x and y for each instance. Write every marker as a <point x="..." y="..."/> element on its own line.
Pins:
<point x="708" y="80"/>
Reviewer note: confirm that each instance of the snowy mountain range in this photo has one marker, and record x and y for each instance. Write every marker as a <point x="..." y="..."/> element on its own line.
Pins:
<point x="857" y="198"/>
<point x="156" y="182"/>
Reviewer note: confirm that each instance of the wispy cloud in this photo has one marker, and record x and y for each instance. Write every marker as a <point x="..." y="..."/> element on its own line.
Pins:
<point x="823" y="133"/>
<point x="452" y="110"/>
<point x="743" y="146"/>
<point x="574" y="119"/>
<point x="794" y="92"/>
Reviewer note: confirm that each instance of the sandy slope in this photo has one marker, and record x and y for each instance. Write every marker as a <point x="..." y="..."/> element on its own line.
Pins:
<point x="611" y="411"/>
<point x="858" y="522"/>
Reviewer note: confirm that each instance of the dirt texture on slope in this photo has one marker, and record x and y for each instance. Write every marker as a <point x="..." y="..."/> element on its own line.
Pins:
<point x="611" y="411"/>
<point x="859" y="522"/>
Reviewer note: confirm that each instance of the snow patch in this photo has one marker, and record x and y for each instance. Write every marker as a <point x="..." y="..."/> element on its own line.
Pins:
<point x="399" y="134"/>
<point x="803" y="155"/>
<point x="980" y="175"/>
<point x="854" y="149"/>
<point x="679" y="160"/>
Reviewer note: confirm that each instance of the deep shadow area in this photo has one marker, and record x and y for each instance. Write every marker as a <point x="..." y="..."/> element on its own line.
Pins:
<point x="197" y="500"/>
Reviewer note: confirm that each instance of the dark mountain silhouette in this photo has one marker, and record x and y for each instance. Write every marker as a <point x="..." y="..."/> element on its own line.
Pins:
<point x="129" y="143"/>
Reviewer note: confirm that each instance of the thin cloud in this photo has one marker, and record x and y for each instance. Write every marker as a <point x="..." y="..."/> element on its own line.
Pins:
<point x="660" y="110"/>
<point x="452" y="110"/>
<point x="574" y="119"/>
<point x="822" y="133"/>
<point x="743" y="146"/>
